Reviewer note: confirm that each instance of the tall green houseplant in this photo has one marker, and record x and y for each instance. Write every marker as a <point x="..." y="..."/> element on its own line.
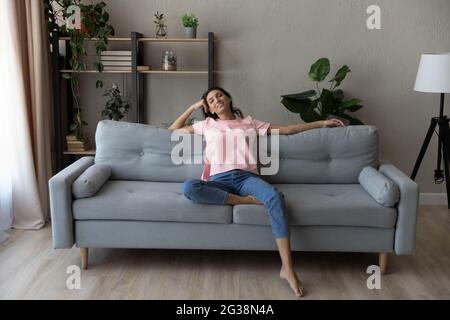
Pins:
<point x="94" y="25"/>
<point x="321" y="104"/>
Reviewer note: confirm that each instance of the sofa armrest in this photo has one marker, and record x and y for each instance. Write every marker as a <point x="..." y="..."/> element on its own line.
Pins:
<point x="60" y="188"/>
<point x="405" y="229"/>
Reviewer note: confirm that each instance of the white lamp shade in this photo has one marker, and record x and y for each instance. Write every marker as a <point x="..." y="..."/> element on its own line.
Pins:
<point x="434" y="73"/>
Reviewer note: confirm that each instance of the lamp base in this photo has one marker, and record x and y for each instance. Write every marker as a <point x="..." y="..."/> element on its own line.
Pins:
<point x="443" y="145"/>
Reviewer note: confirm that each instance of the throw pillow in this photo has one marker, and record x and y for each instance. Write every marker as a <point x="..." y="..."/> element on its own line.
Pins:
<point x="382" y="189"/>
<point x="90" y="181"/>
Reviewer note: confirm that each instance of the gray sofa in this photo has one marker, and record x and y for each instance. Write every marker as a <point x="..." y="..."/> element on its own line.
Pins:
<point x="141" y="205"/>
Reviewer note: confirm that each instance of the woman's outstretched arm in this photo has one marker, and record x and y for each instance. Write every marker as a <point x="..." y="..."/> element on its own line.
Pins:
<point x="296" y="128"/>
<point x="179" y="124"/>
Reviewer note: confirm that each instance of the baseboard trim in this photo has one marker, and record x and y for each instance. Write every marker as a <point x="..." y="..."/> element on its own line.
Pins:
<point x="433" y="199"/>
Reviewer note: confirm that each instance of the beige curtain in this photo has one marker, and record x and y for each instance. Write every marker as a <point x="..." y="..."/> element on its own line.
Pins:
<point x="28" y="121"/>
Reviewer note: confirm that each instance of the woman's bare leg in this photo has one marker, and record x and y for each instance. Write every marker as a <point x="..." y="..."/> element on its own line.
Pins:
<point x="287" y="267"/>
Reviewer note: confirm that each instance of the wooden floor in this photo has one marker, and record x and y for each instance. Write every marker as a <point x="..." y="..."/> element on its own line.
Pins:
<point x="31" y="269"/>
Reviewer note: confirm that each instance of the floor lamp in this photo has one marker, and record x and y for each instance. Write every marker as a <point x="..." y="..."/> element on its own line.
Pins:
<point x="434" y="76"/>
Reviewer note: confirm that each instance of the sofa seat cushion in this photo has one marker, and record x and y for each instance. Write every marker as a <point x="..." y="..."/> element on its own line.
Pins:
<point x="147" y="201"/>
<point x="323" y="205"/>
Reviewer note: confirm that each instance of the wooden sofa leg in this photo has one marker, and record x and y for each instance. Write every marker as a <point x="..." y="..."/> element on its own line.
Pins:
<point x="84" y="253"/>
<point x="382" y="262"/>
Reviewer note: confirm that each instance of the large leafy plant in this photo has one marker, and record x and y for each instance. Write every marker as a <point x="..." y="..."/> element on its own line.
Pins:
<point x="94" y="25"/>
<point x="321" y="104"/>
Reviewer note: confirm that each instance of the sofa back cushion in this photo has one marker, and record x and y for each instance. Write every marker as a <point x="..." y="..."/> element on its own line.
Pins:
<point x="140" y="152"/>
<point x="326" y="155"/>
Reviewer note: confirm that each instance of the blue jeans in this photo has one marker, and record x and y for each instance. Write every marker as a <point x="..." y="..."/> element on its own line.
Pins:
<point x="242" y="183"/>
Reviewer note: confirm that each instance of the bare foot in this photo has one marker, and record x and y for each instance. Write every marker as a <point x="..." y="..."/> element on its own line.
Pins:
<point x="294" y="282"/>
<point x="233" y="199"/>
<point x="252" y="200"/>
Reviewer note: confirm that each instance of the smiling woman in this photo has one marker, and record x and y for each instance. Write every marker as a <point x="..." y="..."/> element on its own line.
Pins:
<point x="236" y="180"/>
<point x="25" y="164"/>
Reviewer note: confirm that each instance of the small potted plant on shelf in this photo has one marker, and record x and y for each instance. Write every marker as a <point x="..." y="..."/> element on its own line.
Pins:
<point x="116" y="107"/>
<point x="190" y="23"/>
<point x="161" y="28"/>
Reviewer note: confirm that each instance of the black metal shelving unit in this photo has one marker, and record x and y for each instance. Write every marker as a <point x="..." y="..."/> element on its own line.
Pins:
<point x="62" y="97"/>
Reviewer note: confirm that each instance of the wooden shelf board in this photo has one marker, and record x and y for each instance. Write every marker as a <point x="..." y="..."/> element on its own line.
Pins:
<point x="95" y="39"/>
<point x="87" y="152"/>
<point x="146" y="71"/>
<point x="149" y="39"/>
<point x="172" y="40"/>
<point x="95" y="71"/>
<point x="176" y="72"/>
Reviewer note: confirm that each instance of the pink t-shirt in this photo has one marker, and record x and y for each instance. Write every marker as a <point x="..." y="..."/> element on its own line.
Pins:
<point x="230" y="144"/>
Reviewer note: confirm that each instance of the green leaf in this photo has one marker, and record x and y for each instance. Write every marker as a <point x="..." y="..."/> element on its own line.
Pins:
<point x="311" y="114"/>
<point x="340" y="75"/>
<point x="66" y="76"/>
<point x="300" y="96"/>
<point x="338" y="94"/>
<point x="354" y="108"/>
<point x="73" y="127"/>
<point x="349" y="103"/>
<point x="326" y="102"/>
<point x="319" y="70"/>
<point x="296" y="105"/>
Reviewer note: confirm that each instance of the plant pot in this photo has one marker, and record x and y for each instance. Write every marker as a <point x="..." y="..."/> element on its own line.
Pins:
<point x="161" y="31"/>
<point x="190" y="32"/>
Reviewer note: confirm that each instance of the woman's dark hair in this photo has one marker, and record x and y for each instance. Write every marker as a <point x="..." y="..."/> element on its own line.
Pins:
<point x="237" y="112"/>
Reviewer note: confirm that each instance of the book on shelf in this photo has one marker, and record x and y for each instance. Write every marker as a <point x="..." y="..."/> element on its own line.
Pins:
<point x="124" y="68"/>
<point x="116" y="53"/>
<point x="77" y="149"/>
<point x="144" y="68"/>
<point x="76" y="144"/>
<point x="115" y="58"/>
<point x="117" y="68"/>
<point x="73" y="138"/>
<point x="82" y="147"/>
<point x="116" y="63"/>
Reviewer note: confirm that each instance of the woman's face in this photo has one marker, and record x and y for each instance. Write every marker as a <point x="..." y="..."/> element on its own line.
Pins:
<point x="218" y="102"/>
